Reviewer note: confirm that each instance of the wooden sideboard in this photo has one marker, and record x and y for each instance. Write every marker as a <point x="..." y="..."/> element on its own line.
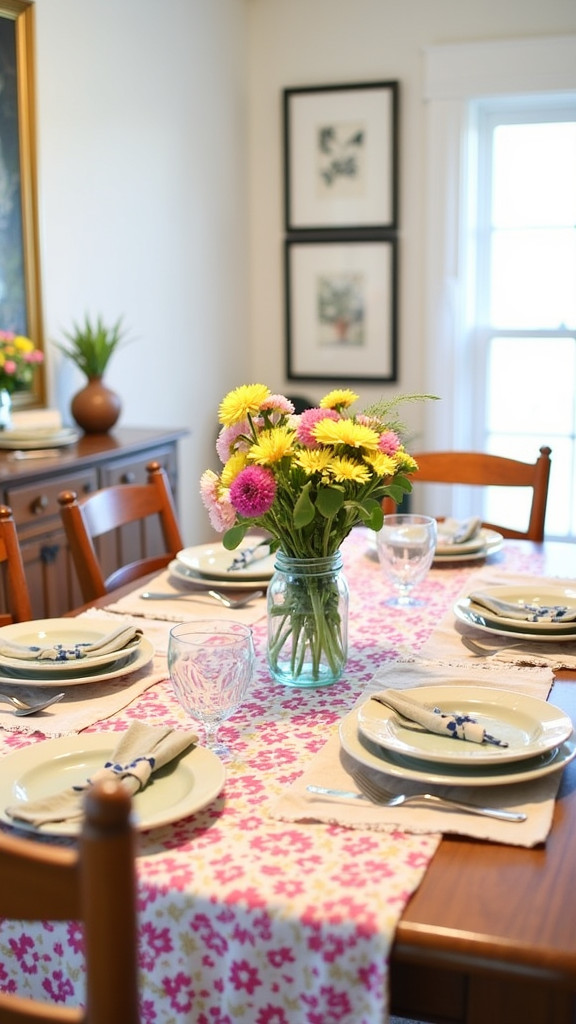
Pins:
<point x="31" y="488"/>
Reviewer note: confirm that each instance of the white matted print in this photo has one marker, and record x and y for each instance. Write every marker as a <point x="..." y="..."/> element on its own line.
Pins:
<point x="341" y="156"/>
<point x="341" y="310"/>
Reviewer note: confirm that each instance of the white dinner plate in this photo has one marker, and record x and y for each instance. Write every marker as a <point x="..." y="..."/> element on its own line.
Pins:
<point x="141" y="657"/>
<point x="484" y="541"/>
<point x="374" y="756"/>
<point x="29" y="440"/>
<point x="468" y="556"/>
<point x="214" y="561"/>
<point x="180" y="789"/>
<point x="523" y="595"/>
<point x="529" y="725"/>
<point x="46" y="632"/>
<point x="184" y="575"/>
<point x="519" y="631"/>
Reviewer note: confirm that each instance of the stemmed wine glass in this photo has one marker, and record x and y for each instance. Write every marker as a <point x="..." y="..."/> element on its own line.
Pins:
<point x="406" y="545"/>
<point x="211" y="663"/>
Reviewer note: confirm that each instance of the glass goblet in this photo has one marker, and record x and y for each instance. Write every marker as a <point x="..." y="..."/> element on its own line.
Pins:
<point x="406" y="545"/>
<point x="211" y="664"/>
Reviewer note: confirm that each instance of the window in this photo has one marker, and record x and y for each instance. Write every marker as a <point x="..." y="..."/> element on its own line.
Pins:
<point x="524" y="294"/>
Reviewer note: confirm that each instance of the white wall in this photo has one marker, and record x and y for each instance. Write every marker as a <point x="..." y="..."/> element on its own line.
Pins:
<point x="322" y="42"/>
<point x="142" y="156"/>
<point x="160" y="182"/>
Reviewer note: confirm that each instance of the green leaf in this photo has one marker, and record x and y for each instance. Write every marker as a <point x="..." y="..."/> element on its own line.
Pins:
<point x="234" y="536"/>
<point x="303" y="509"/>
<point x="329" y="501"/>
<point x="371" y="514"/>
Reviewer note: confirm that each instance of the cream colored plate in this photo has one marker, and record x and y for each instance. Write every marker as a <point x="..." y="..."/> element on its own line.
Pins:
<point x="464" y="613"/>
<point x="529" y="725"/>
<point x="182" y="788"/>
<point x="29" y="440"/>
<point x="521" y="596"/>
<point x="389" y="763"/>
<point x="142" y="656"/>
<point x="184" y="575"/>
<point x="484" y="541"/>
<point x="214" y="561"/>
<point x="45" y="632"/>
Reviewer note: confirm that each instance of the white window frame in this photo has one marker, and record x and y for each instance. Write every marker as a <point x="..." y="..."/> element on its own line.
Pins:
<point x="454" y="77"/>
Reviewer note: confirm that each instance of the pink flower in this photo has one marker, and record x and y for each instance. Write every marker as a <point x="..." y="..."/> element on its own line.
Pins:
<point x="278" y="403"/>
<point x="389" y="442"/>
<point x="253" y="491"/>
<point x="10" y="367"/>
<point x="226" y="442"/>
<point x="214" y="498"/>
<point x="308" y="420"/>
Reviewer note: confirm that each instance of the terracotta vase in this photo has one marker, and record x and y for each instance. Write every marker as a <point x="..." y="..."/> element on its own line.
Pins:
<point x="96" y="407"/>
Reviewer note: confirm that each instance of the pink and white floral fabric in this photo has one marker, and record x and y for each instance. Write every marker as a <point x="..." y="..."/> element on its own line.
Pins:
<point x="246" y="918"/>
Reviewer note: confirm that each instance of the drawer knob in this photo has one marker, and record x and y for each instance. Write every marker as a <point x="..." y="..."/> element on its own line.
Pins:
<point x="40" y="504"/>
<point x="127" y="478"/>
<point x="49" y="553"/>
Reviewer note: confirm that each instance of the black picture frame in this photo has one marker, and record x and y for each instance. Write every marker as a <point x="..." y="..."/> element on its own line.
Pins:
<point x="341" y="309"/>
<point x="20" y="290"/>
<point x="341" y="157"/>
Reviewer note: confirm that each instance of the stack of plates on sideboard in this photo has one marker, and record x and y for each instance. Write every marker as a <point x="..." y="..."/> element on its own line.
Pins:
<point x="211" y="565"/>
<point x="470" y="612"/>
<point x="52" y="632"/>
<point x="539" y="735"/>
<point x="38" y="438"/>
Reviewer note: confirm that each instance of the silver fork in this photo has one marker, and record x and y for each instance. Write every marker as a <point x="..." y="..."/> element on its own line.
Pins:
<point x="228" y="602"/>
<point x="484" y="651"/>
<point x="379" y="795"/>
<point x="21" y="708"/>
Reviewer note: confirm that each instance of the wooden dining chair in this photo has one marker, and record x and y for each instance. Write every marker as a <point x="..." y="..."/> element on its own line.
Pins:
<point x="86" y="520"/>
<point x="16" y="593"/>
<point x="95" y="884"/>
<point x="484" y="470"/>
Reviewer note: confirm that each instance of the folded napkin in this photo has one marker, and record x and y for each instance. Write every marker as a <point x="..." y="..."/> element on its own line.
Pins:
<point x="114" y="641"/>
<point x="458" y="531"/>
<point x="452" y="726"/>
<point x="142" y="750"/>
<point x="524" y="612"/>
<point x="249" y="555"/>
<point x="334" y="768"/>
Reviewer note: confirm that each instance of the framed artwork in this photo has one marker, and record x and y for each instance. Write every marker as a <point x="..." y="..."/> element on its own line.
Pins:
<point x="20" y="299"/>
<point x="341" y="300"/>
<point x="341" y="157"/>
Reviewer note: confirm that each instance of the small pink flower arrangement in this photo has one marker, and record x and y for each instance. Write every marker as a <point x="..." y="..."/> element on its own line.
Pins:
<point x="18" y="361"/>
<point x="309" y="479"/>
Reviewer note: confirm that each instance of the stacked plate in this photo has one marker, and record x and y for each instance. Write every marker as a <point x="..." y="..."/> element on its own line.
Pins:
<point x="539" y="735"/>
<point x="543" y="631"/>
<point x="38" y="438"/>
<point x="50" y="632"/>
<point x="484" y="542"/>
<point x="211" y="565"/>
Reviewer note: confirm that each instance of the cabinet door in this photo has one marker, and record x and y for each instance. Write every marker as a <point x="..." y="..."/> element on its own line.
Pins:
<point x="52" y="581"/>
<point x="138" y="540"/>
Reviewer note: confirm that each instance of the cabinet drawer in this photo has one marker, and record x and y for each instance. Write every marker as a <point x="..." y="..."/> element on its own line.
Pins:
<point x="133" y="471"/>
<point x="38" y="501"/>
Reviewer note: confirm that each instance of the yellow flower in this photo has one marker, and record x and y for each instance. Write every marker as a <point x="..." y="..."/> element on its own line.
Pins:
<point x="243" y="400"/>
<point x="404" y="462"/>
<point x="344" y="469"/>
<point x="383" y="465"/>
<point x="314" y="461"/>
<point x="346" y="432"/>
<point x="272" y="446"/>
<point x="339" y="398"/>
<point x="235" y="464"/>
<point x="23" y="344"/>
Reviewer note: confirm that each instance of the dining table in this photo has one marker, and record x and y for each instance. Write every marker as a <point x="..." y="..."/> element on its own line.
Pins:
<point x="262" y="903"/>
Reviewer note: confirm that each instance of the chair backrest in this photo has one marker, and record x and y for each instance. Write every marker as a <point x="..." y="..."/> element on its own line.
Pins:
<point x="17" y="593"/>
<point x="88" y="518"/>
<point x="481" y="469"/>
<point x="94" y="884"/>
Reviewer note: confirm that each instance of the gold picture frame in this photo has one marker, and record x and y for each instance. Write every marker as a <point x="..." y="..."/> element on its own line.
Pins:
<point x="20" y="282"/>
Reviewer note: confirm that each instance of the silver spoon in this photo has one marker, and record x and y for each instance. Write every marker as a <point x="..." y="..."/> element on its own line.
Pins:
<point x="239" y="602"/>
<point x="21" y="708"/>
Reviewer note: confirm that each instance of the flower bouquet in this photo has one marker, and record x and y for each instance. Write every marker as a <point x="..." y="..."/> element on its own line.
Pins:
<point x="18" y="360"/>
<point x="306" y="480"/>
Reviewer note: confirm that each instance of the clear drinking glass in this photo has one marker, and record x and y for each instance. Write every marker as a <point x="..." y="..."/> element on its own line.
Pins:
<point x="211" y="664"/>
<point x="406" y="545"/>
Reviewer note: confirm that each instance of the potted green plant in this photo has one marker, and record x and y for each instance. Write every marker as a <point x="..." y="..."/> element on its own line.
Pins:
<point x="95" y="407"/>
